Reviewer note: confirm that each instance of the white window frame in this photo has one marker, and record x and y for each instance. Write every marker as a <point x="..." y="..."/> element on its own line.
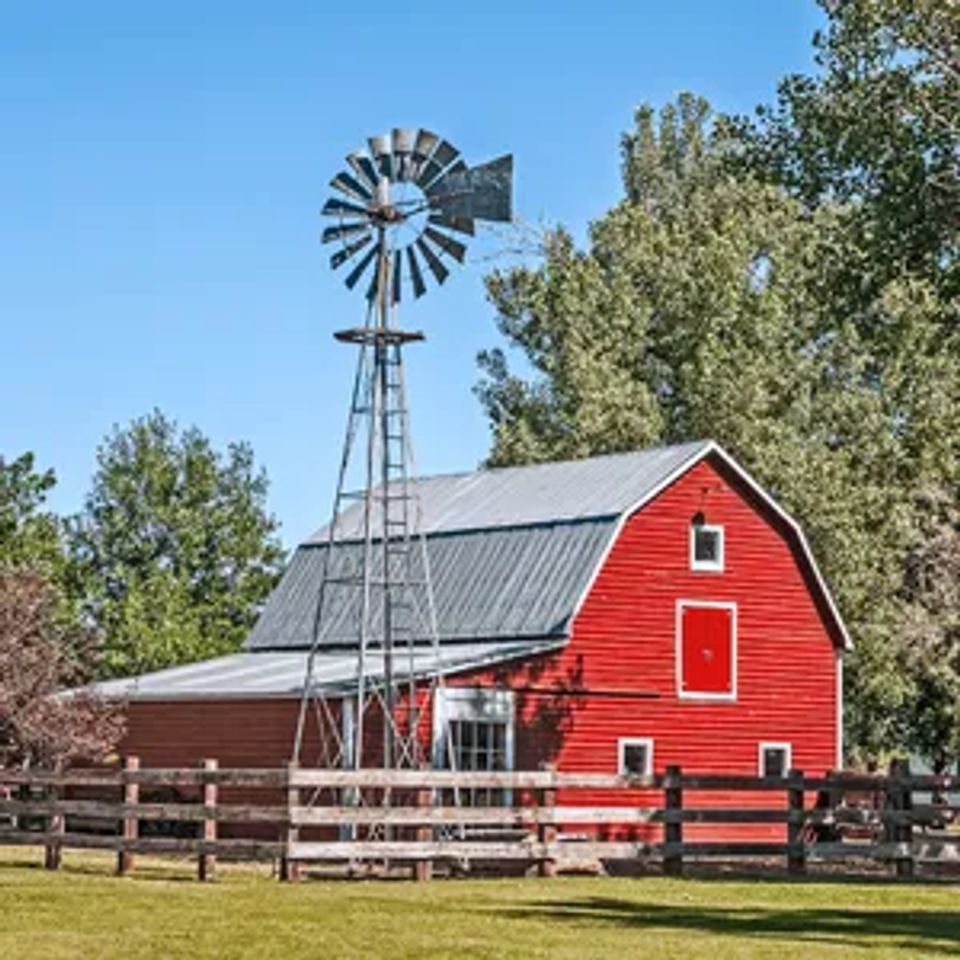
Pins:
<point x="473" y="703"/>
<point x="625" y="742"/>
<point x="765" y="745"/>
<point x="707" y="566"/>
<point x="682" y="694"/>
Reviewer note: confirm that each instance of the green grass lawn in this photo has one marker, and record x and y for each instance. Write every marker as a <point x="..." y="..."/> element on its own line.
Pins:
<point x="83" y="911"/>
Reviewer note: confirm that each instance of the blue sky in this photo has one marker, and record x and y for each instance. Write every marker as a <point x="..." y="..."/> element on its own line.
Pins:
<point x="162" y="167"/>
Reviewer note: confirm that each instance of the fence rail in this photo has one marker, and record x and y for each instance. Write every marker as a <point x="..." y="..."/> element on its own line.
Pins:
<point x="422" y="817"/>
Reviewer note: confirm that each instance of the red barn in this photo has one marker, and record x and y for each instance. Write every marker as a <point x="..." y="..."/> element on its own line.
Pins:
<point x="622" y="612"/>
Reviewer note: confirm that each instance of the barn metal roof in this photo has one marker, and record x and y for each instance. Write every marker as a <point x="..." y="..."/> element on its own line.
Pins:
<point x="542" y="493"/>
<point x="255" y="675"/>
<point x="511" y="550"/>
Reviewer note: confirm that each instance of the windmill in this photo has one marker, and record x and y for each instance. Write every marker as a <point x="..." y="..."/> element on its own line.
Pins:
<point x="403" y="207"/>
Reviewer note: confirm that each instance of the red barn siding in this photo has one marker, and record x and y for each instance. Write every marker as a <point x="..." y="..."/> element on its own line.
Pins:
<point x="617" y="676"/>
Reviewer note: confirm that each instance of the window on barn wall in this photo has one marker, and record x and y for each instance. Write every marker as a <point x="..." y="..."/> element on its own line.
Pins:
<point x="706" y="547"/>
<point x="473" y="729"/>
<point x="706" y="650"/>
<point x="775" y="759"/>
<point x="635" y="756"/>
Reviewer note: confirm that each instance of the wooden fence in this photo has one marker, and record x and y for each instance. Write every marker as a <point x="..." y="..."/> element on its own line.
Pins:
<point x="418" y="819"/>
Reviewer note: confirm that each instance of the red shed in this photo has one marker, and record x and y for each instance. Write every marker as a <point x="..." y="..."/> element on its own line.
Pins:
<point x="621" y="612"/>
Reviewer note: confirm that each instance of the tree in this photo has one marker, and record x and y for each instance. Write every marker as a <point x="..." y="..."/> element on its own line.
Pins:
<point x="712" y="303"/>
<point x="175" y="546"/>
<point x="931" y="624"/>
<point x="878" y="129"/>
<point x="29" y="536"/>
<point x="38" y="724"/>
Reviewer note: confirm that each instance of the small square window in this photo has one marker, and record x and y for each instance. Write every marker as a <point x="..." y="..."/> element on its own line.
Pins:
<point x="636" y="756"/>
<point x="775" y="759"/>
<point x="706" y="547"/>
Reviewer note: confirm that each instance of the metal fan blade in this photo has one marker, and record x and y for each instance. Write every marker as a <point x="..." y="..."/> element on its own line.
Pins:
<point x="334" y="207"/>
<point x="457" y="168"/>
<point x="454" y="247"/>
<point x="444" y="154"/>
<point x="419" y="288"/>
<point x="402" y="140"/>
<point x="382" y="155"/>
<point x="397" y="269"/>
<point x="351" y="187"/>
<point x="342" y="256"/>
<point x="425" y="144"/>
<point x="460" y="224"/>
<point x="439" y="271"/>
<point x="354" y="275"/>
<point x="363" y="168"/>
<point x="342" y="231"/>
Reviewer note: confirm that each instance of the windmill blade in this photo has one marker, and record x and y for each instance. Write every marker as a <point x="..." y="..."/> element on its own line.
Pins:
<point x="419" y="287"/>
<point x="382" y="157"/>
<point x="439" y="271"/>
<point x="459" y="167"/>
<point x="350" y="186"/>
<point x="342" y="256"/>
<point x="342" y="230"/>
<point x="397" y="269"/>
<point x="334" y="207"/>
<point x="444" y="154"/>
<point x="363" y="168"/>
<point x="402" y="142"/>
<point x="424" y="145"/>
<point x="455" y="248"/>
<point x="357" y="272"/>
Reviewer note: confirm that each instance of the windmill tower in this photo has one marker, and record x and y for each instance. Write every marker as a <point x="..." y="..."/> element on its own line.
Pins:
<point x="400" y="204"/>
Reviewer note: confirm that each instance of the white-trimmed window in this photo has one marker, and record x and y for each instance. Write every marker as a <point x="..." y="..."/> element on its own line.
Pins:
<point x="706" y="650"/>
<point x="706" y="547"/>
<point x="635" y="756"/>
<point x="774" y="759"/>
<point x="473" y="729"/>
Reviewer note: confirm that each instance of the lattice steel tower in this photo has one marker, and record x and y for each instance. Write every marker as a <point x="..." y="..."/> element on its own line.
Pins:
<point x="404" y="197"/>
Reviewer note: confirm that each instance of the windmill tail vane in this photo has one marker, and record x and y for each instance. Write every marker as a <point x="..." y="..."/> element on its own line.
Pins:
<point x="403" y="207"/>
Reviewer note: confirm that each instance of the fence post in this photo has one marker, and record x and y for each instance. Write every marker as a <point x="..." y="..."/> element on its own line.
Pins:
<point x="903" y="831"/>
<point x="53" y="849"/>
<point x="547" y="831"/>
<point x="423" y="869"/>
<point x="673" y="827"/>
<point x="796" y="851"/>
<point x="129" y="826"/>
<point x="207" y="861"/>
<point x="290" y="868"/>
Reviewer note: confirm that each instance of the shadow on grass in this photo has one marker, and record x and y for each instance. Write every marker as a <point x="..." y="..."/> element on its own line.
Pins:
<point x="927" y="932"/>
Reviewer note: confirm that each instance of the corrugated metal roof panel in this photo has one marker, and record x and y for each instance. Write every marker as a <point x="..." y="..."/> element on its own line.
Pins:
<point x="491" y="584"/>
<point x="540" y="493"/>
<point x="251" y="675"/>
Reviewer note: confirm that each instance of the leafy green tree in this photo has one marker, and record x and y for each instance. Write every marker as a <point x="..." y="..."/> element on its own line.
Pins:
<point x="175" y="546"/>
<point x="712" y="303"/>
<point x="30" y="537"/>
<point x="877" y="128"/>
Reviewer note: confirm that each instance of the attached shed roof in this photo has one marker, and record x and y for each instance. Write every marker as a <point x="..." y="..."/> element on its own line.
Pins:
<point x="281" y="674"/>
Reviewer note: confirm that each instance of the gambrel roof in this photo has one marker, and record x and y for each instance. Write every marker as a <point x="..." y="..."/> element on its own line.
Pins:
<point x="512" y="551"/>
